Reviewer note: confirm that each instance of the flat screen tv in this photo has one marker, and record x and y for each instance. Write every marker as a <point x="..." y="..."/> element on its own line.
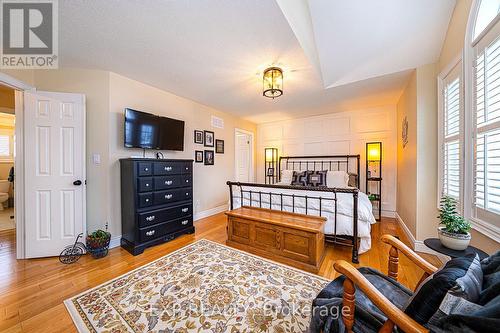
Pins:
<point x="148" y="131"/>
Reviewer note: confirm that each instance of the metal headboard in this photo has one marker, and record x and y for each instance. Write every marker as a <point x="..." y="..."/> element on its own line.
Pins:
<point x="347" y="163"/>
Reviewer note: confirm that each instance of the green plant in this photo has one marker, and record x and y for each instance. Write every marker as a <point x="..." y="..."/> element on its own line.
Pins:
<point x="450" y="218"/>
<point x="99" y="235"/>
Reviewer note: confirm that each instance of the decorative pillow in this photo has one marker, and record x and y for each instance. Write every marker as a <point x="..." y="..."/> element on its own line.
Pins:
<point x="337" y="179"/>
<point x="316" y="178"/>
<point x="299" y="178"/>
<point x="353" y="180"/>
<point x="461" y="277"/>
<point x="286" y="177"/>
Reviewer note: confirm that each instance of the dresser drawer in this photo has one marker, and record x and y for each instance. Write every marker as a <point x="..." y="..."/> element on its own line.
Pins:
<point x="166" y="197"/>
<point x="158" y="230"/>
<point x="144" y="169"/>
<point x="167" y="168"/>
<point x="145" y="184"/>
<point x="162" y="215"/>
<point x="166" y="182"/>
<point x="145" y="200"/>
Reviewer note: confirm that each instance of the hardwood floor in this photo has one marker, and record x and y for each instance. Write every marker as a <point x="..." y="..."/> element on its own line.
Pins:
<point x="32" y="291"/>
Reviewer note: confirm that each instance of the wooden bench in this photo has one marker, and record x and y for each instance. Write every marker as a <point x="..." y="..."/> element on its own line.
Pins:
<point x="293" y="239"/>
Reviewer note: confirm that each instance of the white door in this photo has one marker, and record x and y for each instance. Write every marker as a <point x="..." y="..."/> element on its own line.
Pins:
<point x="54" y="150"/>
<point x="243" y="157"/>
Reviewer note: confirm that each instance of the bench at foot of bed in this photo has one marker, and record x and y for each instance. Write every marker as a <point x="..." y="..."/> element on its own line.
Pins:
<point x="293" y="239"/>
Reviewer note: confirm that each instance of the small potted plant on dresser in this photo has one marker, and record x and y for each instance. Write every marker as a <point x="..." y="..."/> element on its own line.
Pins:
<point x="454" y="229"/>
<point x="98" y="243"/>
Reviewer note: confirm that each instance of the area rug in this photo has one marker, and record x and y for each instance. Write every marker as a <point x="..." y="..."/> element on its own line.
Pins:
<point x="202" y="287"/>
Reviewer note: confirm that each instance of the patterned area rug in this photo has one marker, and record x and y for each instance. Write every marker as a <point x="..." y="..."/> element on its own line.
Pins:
<point x="202" y="287"/>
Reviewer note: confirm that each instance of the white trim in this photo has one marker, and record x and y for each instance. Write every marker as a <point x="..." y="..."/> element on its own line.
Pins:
<point x="115" y="241"/>
<point x="210" y="212"/>
<point x="252" y="155"/>
<point x="418" y="245"/>
<point x="14" y="83"/>
<point x="19" y="174"/>
<point x="388" y="213"/>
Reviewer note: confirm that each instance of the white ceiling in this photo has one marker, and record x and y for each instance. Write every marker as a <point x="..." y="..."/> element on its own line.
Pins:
<point x="213" y="52"/>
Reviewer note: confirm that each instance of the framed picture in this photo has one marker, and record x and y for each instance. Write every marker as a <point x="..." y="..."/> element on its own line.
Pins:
<point x="198" y="156"/>
<point x="209" y="157"/>
<point x="219" y="146"/>
<point x="270" y="172"/>
<point x="209" y="139"/>
<point x="198" y="137"/>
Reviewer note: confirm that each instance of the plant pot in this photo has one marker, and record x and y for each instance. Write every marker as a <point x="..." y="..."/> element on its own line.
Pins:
<point x="453" y="241"/>
<point x="98" y="247"/>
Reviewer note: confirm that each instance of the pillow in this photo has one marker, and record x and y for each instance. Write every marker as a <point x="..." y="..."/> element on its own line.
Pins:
<point x="461" y="277"/>
<point x="316" y="178"/>
<point x="337" y="179"/>
<point x="353" y="178"/>
<point x="299" y="178"/>
<point x="286" y="177"/>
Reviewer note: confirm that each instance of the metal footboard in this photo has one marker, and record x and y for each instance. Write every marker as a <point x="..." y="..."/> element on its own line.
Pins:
<point x="257" y="196"/>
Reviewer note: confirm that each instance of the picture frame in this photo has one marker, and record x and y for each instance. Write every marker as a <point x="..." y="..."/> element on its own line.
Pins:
<point x="198" y="137"/>
<point x="209" y="157"/>
<point x="219" y="146"/>
<point x="270" y="172"/>
<point x="198" y="156"/>
<point x="209" y="138"/>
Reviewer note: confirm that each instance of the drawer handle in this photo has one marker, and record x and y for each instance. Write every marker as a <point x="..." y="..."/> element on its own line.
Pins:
<point x="187" y="168"/>
<point x="150" y="218"/>
<point x="168" y="182"/>
<point x="146" y="169"/>
<point x="168" y="168"/>
<point x="187" y="180"/>
<point x="147" y="200"/>
<point x="185" y="222"/>
<point x="184" y="210"/>
<point x="187" y="193"/>
<point x="168" y="196"/>
<point x="147" y="184"/>
<point x="150" y="233"/>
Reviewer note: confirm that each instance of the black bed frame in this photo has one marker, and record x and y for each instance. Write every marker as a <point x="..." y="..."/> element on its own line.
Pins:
<point x="348" y="163"/>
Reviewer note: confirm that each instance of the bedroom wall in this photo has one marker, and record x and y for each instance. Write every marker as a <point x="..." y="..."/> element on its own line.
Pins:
<point x="407" y="157"/>
<point x="337" y="133"/>
<point x="210" y="189"/>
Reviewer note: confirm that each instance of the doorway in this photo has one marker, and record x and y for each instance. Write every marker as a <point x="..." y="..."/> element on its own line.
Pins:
<point x="7" y="157"/>
<point x="244" y="156"/>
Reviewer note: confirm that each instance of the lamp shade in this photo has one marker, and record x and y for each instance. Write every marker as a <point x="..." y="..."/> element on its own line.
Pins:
<point x="273" y="82"/>
<point x="271" y="154"/>
<point x="373" y="151"/>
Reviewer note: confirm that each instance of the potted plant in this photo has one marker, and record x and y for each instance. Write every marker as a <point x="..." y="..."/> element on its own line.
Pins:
<point x="98" y="243"/>
<point x="454" y="232"/>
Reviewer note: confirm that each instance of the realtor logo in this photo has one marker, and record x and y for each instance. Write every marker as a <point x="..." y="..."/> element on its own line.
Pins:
<point x="29" y="34"/>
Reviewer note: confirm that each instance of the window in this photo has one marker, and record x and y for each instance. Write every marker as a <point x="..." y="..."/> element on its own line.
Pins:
<point x="482" y="119"/>
<point x="4" y="146"/>
<point x="450" y="113"/>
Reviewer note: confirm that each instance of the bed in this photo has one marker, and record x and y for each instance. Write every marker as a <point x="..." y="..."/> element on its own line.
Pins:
<point x="348" y="210"/>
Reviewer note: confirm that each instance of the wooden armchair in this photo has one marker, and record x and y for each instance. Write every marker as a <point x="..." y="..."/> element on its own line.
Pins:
<point x="355" y="278"/>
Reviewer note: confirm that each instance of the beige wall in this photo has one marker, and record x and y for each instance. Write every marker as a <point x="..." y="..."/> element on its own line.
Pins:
<point x="337" y="134"/>
<point x="107" y="94"/>
<point x="407" y="156"/>
<point x="210" y="189"/>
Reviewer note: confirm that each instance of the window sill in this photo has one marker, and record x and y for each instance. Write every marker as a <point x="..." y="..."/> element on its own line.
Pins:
<point x="486" y="229"/>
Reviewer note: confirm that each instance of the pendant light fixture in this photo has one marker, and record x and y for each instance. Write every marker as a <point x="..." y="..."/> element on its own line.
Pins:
<point x="273" y="82"/>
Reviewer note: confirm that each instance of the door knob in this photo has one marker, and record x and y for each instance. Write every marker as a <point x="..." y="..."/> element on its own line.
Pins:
<point x="77" y="182"/>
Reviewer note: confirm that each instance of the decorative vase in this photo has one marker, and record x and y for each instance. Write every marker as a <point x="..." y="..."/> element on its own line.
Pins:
<point x="453" y="241"/>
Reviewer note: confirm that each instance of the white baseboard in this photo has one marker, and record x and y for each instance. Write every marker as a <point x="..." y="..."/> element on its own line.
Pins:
<point x="210" y="212"/>
<point x="388" y="213"/>
<point x="419" y="245"/>
<point x="115" y="241"/>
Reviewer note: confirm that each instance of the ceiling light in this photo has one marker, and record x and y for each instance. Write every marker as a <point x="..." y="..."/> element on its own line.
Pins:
<point x="273" y="82"/>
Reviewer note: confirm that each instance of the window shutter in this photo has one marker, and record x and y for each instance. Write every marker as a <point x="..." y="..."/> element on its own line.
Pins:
<point x="451" y="161"/>
<point x="4" y="145"/>
<point x="487" y="128"/>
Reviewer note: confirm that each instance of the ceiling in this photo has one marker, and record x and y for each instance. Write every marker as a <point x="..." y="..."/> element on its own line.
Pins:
<point x="336" y="55"/>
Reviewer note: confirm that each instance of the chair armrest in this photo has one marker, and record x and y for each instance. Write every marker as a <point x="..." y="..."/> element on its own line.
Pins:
<point x="409" y="253"/>
<point x="395" y="315"/>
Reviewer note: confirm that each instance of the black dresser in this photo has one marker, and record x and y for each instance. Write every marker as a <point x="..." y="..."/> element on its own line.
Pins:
<point x="157" y="201"/>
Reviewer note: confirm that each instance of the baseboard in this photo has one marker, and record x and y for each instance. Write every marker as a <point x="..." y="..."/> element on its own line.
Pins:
<point x="419" y="245"/>
<point x="388" y="213"/>
<point x="115" y="241"/>
<point x="210" y="212"/>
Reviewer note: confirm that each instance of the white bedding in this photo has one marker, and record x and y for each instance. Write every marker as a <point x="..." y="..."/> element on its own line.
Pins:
<point x="344" y="209"/>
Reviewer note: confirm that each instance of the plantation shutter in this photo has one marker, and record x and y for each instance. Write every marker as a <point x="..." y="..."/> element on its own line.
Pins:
<point x="486" y="103"/>
<point x="452" y="114"/>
